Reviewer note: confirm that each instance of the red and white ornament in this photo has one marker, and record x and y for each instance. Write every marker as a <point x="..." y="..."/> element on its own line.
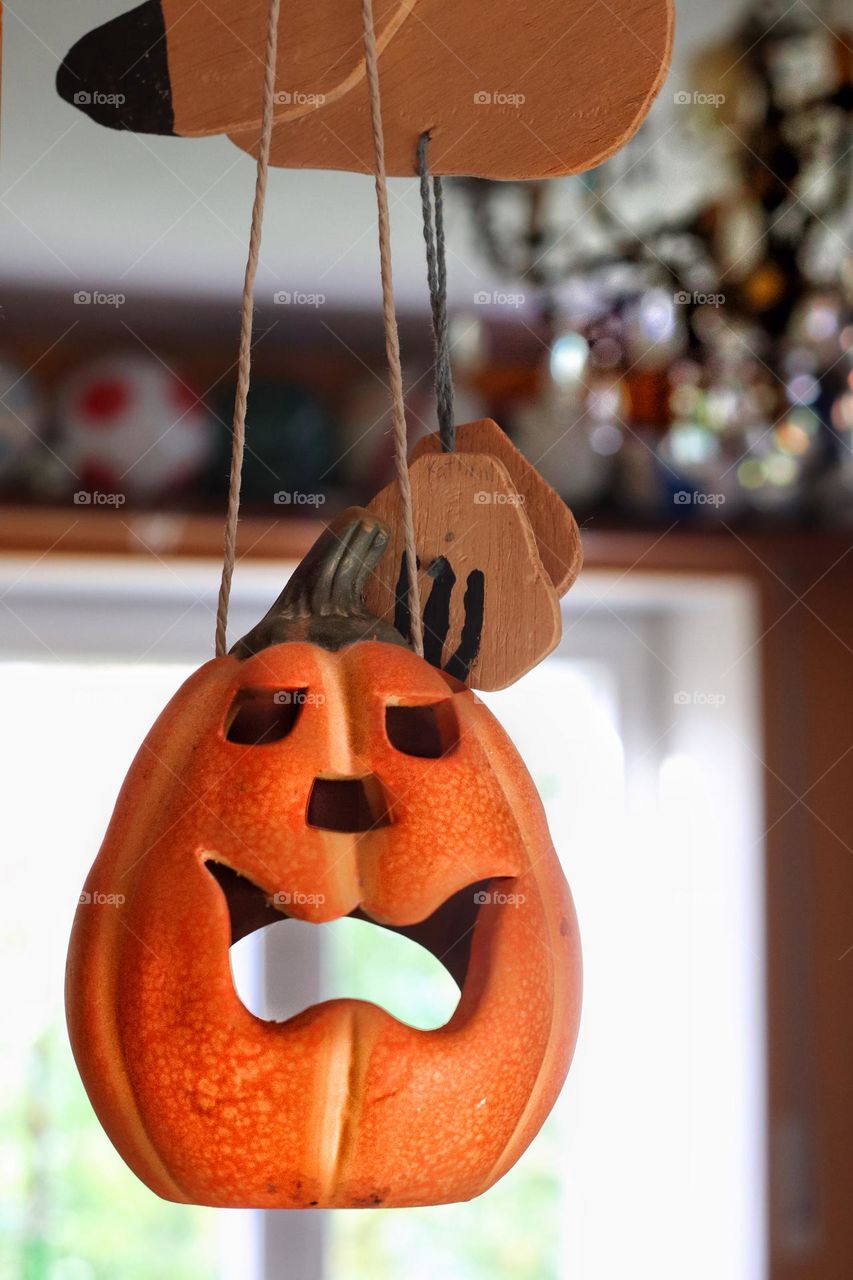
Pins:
<point x="128" y="426"/>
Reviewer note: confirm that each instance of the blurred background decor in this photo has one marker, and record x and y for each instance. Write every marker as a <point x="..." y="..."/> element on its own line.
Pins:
<point x="715" y="325"/>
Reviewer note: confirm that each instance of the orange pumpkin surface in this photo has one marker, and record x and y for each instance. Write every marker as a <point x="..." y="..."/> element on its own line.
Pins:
<point x="316" y="784"/>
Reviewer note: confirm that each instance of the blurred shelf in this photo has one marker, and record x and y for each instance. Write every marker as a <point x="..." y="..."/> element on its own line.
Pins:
<point x="84" y="531"/>
<point x="756" y="551"/>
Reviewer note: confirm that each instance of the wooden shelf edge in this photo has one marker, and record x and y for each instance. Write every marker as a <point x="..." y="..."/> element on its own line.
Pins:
<point x="49" y="531"/>
<point x="82" y="531"/>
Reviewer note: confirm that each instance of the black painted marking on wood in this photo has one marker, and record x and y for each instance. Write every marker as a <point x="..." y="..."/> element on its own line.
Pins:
<point x="118" y="74"/>
<point x="472" y="628"/>
<point x="437" y="610"/>
<point x="402" y="615"/>
<point x="436" y="615"/>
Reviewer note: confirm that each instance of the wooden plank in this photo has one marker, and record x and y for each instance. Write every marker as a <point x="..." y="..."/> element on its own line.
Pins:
<point x="511" y="92"/>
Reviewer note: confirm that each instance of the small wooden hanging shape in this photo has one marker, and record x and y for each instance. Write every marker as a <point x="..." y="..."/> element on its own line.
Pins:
<point x="490" y="611"/>
<point x="554" y="526"/>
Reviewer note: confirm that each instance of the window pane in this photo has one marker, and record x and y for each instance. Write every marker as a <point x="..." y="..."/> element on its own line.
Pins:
<point x="71" y="1209"/>
<point x="650" y="1164"/>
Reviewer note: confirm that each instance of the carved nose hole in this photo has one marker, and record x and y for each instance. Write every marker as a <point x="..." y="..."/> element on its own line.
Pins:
<point x="347" y="804"/>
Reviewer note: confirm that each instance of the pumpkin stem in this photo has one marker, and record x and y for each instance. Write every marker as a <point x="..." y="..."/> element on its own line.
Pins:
<point x="323" y="603"/>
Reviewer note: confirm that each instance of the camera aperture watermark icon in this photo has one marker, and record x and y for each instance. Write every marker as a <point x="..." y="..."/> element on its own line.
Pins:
<point x="499" y="898"/>
<point x="97" y="898"/>
<point x="298" y="899"/>
<point x="497" y="298"/>
<point x="96" y="298"/>
<point x="297" y="299"/>
<point x="295" y="498"/>
<point x="498" y="98"/>
<point x="698" y="698"/>
<point x="95" y="498"/>
<point x="686" y="98"/>
<point x="687" y="498"/>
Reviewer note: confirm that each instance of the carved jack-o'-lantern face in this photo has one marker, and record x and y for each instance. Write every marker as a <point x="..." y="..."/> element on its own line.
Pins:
<point x="300" y="782"/>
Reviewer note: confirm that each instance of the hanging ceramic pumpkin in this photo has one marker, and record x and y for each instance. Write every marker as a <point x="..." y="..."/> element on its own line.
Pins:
<point x="320" y="770"/>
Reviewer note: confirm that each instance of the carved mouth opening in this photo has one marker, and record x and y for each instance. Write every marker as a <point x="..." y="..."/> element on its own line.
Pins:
<point x="446" y="934"/>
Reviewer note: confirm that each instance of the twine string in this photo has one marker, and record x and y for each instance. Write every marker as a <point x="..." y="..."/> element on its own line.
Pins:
<point x="392" y="340"/>
<point x="432" y="208"/>
<point x="244" y="362"/>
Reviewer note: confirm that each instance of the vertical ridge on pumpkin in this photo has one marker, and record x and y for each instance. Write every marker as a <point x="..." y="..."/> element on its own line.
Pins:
<point x="342" y="848"/>
<point x="332" y="1105"/>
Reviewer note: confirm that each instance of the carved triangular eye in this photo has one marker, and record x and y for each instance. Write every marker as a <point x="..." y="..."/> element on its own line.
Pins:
<point x="428" y="731"/>
<point x="258" y="717"/>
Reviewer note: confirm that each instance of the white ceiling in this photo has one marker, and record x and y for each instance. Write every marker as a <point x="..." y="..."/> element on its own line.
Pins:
<point x="86" y="207"/>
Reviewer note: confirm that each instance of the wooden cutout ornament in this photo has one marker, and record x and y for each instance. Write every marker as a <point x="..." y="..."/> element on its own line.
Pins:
<point x="320" y="770"/>
<point x="554" y="527"/>
<point x="533" y="91"/>
<point x="490" y="611"/>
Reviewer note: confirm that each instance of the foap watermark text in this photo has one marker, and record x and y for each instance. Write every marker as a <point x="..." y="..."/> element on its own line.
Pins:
<point x="498" y="98"/>
<point x="687" y="298"/>
<point x="684" y="98"/>
<point x="296" y="299"/>
<point x="95" y="498"/>
<point x="95" y="298"/>
<point x="698" y="698"/>
<point x="293" y="497"/>
<point x="686" y="498"/>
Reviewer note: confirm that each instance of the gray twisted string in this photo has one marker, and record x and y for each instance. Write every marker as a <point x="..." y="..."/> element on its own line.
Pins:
<point x="432" y="206"/>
